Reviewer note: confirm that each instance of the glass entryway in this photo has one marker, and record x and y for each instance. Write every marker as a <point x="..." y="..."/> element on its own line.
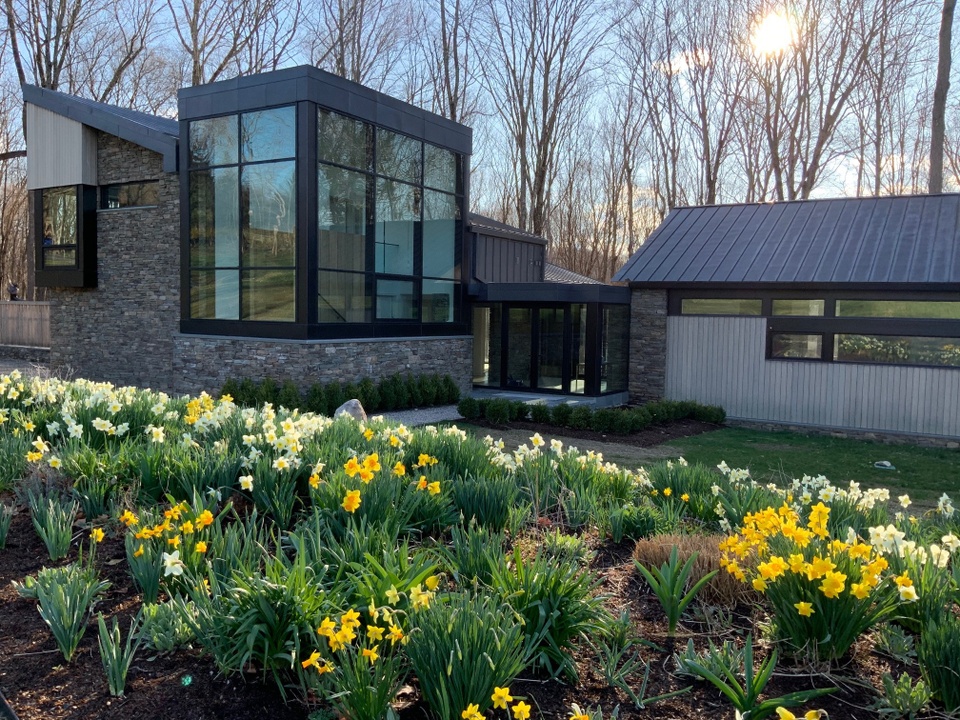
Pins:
<point x="569" y="348"/>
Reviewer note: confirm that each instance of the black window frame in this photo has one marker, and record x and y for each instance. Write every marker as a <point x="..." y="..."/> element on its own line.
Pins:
<point x="104" y="192"/>
<point x="83" y="273"/>
<point x="829" y="325"/>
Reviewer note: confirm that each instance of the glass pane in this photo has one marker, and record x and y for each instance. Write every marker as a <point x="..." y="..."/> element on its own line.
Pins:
<point x="213" y="141"/>
<point x="343" y="140"/>
<point x="56" y="256"/>
<point x="905" y="350"/>
<point x="214" y="218"/>
<point x="615" y="348"/>
<point x="438" y="301"/>
<point x="486" y="345"/>
<point x="398" y="156"/>
<point x="440" y="215"/>
<point x="129" y="195"/>
<point x="578" y="354"/>
<point x="268" y="134"/>
<point x="899" y="309"/>
<point x="269" y="295"/>
<point x="343" y="298"/>
<point x="719" y="306"/>
<point x="798" y="307"/>
<point x="797" y="345"/>
<point x="215" y="294"/>
<point x="398" y="212"/>
<point x="519" y="348"/>
<point x="60" y="216"/>
<point x="440" y="168"/>
<point x="396" y="300"/>
<point x="550" y="357"/>
<point x="341" y="218"/>
<point x="269" y="215"/>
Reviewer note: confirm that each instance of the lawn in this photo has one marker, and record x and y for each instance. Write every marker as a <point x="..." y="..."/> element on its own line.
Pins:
<point x="924" y="473"/>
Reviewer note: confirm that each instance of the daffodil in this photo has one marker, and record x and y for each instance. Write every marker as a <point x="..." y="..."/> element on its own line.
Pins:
<point x="399" y="470"/>
<point x="128" y="518"/>
<point x="375" y="633"/>
<point x="805" y="609"/>
<point x="521" y="711"/>
<point x="204" y="519"/>
<point x="139" y="551"/>
<point x="312" y="661"/>
<point x="172" y="564"/>
<point x="472" y="712"/>
<point x="351" y="501"/>
<point x="396" y="634"/>
<point x="434" y="488"/>
<point x="96" y="535"/>
<point x="200" y="547"/>
<point x="393" y="597"/>
<point x="246" y="482"/>
<point x="501" y="696"/>
<point x="370" y="654"/>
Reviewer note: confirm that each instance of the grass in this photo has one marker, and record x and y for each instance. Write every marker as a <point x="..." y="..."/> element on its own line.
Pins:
<point x="924" y="473"/>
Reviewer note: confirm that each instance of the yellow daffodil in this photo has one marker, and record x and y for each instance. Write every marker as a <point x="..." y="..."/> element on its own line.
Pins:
<point x="396" y="634"/>
<point x="368" y="434"/>
<point x="312" y="661"/>
<point x="432" y="582"/>
<point x="667" y="492"/>
<point x="366" y="475"/>
<point x="139" y="551"/>
<point x="422" y="483"/>
<point x="327" y="627"/>
<point x="352" y="467"/>
<point x="374" y="633"/>
<point x="472" y="712"/>
<point x="128" y="518"/>
<point x="352" y="501"/>
<point x="187" y="528"/>
<point x="521" y="711"/>
<point x="96" y="535"/>
<point x="434" y="488"/>
<point x="805" y="609"/>
<point x="393" y="597"/>
<point x="399" y="470"/>
<point x="200" y="547"/>
<point x="372" y="462"/>
<point x="205" y="518"/>
<point x="685" y="497"/>
<point x="370" y="654"/>
<point x="833" y="584"/>
<point x="501" y="696"/>
<point x="351" y="619"/>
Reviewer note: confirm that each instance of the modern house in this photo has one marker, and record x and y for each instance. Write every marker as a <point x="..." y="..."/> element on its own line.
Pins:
<point x="839" y="313"/>
<point x="298" y="226"/>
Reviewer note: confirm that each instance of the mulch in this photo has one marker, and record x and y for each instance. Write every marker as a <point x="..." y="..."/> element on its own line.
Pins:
<point x="651" y="436"/>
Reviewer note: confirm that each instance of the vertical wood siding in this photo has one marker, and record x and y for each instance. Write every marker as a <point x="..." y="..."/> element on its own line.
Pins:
<point x="60" y="151"/>
<point x="25" y="323"/>
<point x="720" y="361"/>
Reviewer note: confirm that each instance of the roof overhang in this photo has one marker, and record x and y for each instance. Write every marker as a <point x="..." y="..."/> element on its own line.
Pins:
<point x="549" y="293"/>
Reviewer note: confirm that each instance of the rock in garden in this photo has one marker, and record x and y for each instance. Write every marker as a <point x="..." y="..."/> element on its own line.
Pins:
<point x="352" y="408"/>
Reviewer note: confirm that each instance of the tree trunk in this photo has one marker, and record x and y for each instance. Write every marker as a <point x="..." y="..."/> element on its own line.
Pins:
<point x="937" y="130"/>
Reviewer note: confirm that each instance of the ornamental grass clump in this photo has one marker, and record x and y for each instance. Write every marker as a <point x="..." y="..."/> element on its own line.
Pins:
<point x="53" y="520"/>
<point x="939" y="658"/>
<point x="559" y="605"/>
<point x="66" y="596"/>
<point x="115" y="655"/>
<point x="823" y="592"/>
<point x="464" y="645"/>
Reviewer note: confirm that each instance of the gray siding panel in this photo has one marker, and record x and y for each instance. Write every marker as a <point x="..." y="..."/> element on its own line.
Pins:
<point x="720" y="361"/>
<point x="61" y="151"/>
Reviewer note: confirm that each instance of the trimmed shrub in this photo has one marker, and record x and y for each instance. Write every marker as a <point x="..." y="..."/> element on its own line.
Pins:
<point x="232" y="388"/>
<point x="369" y="395"/>
<point x="561" y="414"/>
<point x="267" y="391"/>
<point x="603" y="421"/>
<point x="247" y="393"/>
<point x="351" y="391"/>
<point x="581" y="418"/>
<point x="450" y="392"/>
<point x="289" y="396"/>
<point x="333" y="394"/>
<point x="540" y="413"/>
<point x="710" y="413"/>
<point x="316" y="400"/>
<point x="414" y="395"/>
<point x="469" y="408"/>
<point x="498" y="411"/>
<point x="519" y="410"/>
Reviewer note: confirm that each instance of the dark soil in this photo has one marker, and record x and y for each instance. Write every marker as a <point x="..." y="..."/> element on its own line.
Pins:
<point x="39" y="685"/>
<point x="656" y="435"/>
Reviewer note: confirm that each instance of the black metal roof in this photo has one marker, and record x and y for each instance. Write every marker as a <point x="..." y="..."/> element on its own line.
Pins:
<point x="910" y="240"/>
<point x="159" y="134"/>
<point x="556" y="274"/>
<point x="483" y="225"/>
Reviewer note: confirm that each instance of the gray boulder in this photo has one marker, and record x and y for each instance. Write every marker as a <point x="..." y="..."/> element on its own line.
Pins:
<point x="352" y="408"/>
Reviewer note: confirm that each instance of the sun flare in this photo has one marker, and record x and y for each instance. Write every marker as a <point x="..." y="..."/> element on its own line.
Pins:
<point x="773" y="33"/>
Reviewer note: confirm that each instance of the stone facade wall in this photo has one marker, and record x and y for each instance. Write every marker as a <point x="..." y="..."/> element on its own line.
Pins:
<point x="204" y="362"/>
<point x="122" y="330"/>
<point x="648" y="345"/>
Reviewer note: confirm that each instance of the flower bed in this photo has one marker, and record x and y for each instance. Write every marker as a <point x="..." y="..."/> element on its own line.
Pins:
<point x="268" y="562"/>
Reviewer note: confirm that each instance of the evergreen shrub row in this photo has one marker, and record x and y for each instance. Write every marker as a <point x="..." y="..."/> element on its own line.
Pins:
<point x="395" y="392"/>
<point x="616" y="421"/>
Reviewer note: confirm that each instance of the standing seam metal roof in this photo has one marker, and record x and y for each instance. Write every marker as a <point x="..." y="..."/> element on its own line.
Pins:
<point x="878" y="240"/>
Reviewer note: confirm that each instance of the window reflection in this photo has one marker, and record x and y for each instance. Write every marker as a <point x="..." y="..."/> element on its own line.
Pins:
<point x="268" y="134"/>
<point x="269" y="218"/>
<point x="213" y="141"/>
<point x="343" y="140"/>
<point x="398" y="212"/>
<point x="341" y="218"/>
<point x="440" y="215"/>
<point x="398" y="156"/>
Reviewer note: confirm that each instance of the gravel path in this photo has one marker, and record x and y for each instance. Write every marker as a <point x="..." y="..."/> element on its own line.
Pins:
<point x="424" y="416"/>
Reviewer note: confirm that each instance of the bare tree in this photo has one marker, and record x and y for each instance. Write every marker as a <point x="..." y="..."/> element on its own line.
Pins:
<point x="360" y="40"/>
<point x="445" y="49"/>
<point x="233" y="37"/>
<point x="539" y="56"/>
<point x="938" y="129"/>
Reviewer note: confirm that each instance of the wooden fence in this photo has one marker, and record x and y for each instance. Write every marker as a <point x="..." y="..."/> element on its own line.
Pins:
<point x="25" y="323"/>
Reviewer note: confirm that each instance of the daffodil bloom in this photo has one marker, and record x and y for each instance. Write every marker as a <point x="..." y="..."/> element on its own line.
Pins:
<point x="374" y="633"/>
<point x="204" y="519"/>
<point x="351" y="619"/>
<point x="372" y="462"/>
<point x="685" y="497"/>
<point x="432" y="582"/>
<point x="370" y="654"/>
<point x="314" y="481"/>
<point x="139" y="551"/>
<point x="667" y="492"/>
<point x="366" y="475"/>
<point x="472" y="712"/>
<point x="351" y="501"/>
<point x="352" y="467"/>
<point x="174" y="541"/>
<point x="96" y="535"/>
<point x="396" y="634"/>
<point x="281" y="463"/>
<point x="200" y="547"/>
<point x="833" y="584"/>
<point x="903" y="580"/>
<point x="759" y="584"/>
<point x="420" y="597"/>
<point x="187" y="528"/>
<point x="584" y="716"/>
<point x="501" y="696"/>
<point x="172" y="564"/>
<point x="521" y="711"/>
<point x="805" y="609"/>
<point x="399" y="470"/>
<point x="368" y="434"/>
<point x="128" y="518"/>
<point x="246" y="482"/>
<point x="422" y="483"/>
<point x="434" y="488"/>
<point x="312" y="661"/>
<point x="393" y="597"/>
<point x="327" y="627"/>
<point x="908" y="593"/>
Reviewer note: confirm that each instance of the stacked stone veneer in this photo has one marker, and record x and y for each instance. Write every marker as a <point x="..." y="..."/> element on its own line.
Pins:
<point x="126" y="330"/>
<point x="205" y="362"/>
<point x="648" y="345"/>
<point x="122" y="330"/>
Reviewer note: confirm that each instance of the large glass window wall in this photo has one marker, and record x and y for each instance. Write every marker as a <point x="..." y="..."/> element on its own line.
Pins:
<point x="388" y="225"/>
